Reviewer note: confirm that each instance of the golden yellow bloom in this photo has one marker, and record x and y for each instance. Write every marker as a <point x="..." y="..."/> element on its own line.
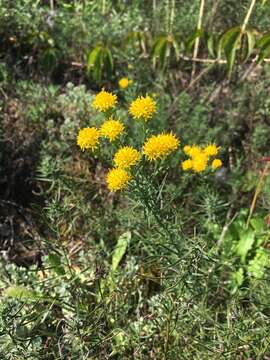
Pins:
<point x="88" y="138"/>
<point x="160" y="146"/>
<point x="117" y="179"/>
<point x="211" y="150"/>
<point x="126" y="157"/>
<point x="199" y="162"/>
<point x="195" y="151"/>
<point x="187" y="149"/>
<point x="216" y="163"/>
<point x="124" y="83"/>
<point x="111" y="129"/>
<point x="187" y="165"/>
<point x="143" y="108"/>
<point x="104" y="100"/>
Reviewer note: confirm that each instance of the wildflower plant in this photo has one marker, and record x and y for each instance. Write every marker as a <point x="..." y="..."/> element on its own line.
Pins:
<point x="140" y="155"/>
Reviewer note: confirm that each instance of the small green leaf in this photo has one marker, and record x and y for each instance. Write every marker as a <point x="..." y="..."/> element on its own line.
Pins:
<point x="192" y="38"/>
<point x="176" y="49"/>
<point x="247" y="238"/>
<point x="108" y="60"/>
<point x="94" y="62"/>
<point x="211" y="44"/>
<point x="55" y="262"/>
<point x="120" y="249"/>
<point x="250" y="43"/>
<point x="118" y="253"/>
<point x="264" y="45"/>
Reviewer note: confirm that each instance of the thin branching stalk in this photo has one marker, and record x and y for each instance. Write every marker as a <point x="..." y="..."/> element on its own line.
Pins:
<point x="214" y="61"/>
<point x="167" y="16"/>
<point x="246" y="20"/>
<point x="197" y="41"/>
<point x="172" y="16"/>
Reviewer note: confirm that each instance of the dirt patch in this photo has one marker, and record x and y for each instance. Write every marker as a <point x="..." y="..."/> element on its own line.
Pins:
<point x="20" y="142"/>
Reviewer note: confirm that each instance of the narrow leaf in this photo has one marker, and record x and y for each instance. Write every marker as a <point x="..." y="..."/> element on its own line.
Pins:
<point x="264" y="45"/>
<point x="191" y="39"/>
<point x="159" y="50"/>
<point x="93" y="59"/>
<point x="120" y="249"/>
<point x="229" y="44"/>
<point x="250" y="43"/>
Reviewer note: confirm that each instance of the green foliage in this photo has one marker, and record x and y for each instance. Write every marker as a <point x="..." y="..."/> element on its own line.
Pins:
<point x="246" y="245"/>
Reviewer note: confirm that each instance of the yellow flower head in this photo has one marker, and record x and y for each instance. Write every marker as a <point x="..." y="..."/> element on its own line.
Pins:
<point x="211" y="150"/>
<point x="124" y="83"/>
<point x="187" y="149"/>
<point x="187" y="165"/>
<point x="199" y="162"/>
<point x="126" y="157"/>
<point x="160" y="146"/>
<point x="216" y="163"/>
<point x="88" y="138"/>
<point x="117" y="179"/>
<point x="143" y="108"/>
<point x="111" y="129"/>
<point x="104" y="100"/>
<point x="195" y="151"/>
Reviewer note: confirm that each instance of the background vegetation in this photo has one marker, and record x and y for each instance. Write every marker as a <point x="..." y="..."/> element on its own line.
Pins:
<point x="87" y="274"/>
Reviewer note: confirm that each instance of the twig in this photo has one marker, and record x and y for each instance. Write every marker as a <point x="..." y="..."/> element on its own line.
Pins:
<point x="197" y="41"/>
<point x="246" y="20"/>
<point x="226" y="226"/>
<point x="223" y="232"/>
<point x="202" y="73"/>
<point x="249" y="70"/>
<point x="214" y="61"/>
<point x="190" y="59"/>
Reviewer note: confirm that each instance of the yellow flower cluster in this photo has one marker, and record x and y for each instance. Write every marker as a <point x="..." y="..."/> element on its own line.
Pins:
<point x="104" y="100"/>
<point x="143" y="108"/>
<point x="118" y="177"/>
<point x="124" y="83"/>
<point x="199" y="158"/>
<point x="156" y="147"/>
<point x="88" y="138"/>
<point x="160" y="146"/>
